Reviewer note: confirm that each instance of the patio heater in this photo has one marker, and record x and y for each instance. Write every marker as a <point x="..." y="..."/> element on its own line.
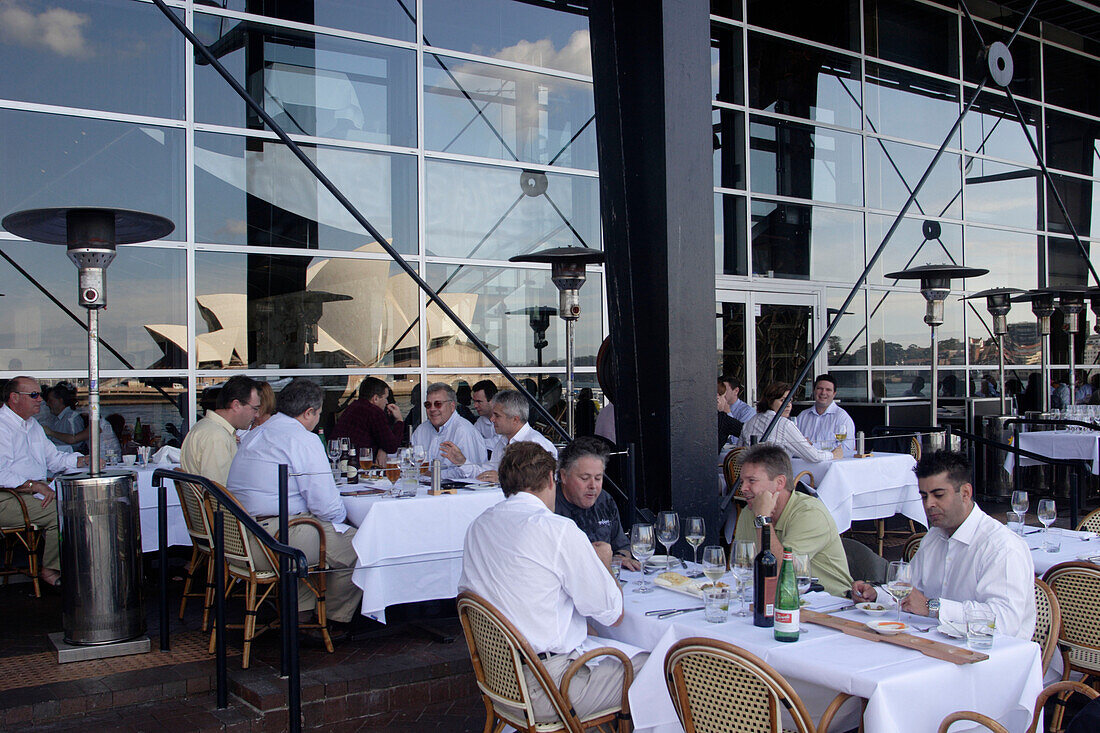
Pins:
<point x="1071" y="301"/>
<point x="101" y="530"/>
<point x="935" y="286"/>
<point x="998" y="302"/>
<point x="568" y="267"/>
<point x="1042" y="305"/>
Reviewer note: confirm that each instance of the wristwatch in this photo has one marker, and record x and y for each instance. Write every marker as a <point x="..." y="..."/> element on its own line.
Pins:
<point x="934" y="607"/>
<point x="762" y="519"/>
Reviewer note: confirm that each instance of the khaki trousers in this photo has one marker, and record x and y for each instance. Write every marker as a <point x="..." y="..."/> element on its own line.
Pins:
<point x="590" y="690"/>
<point x="44" y="517"/>
<point x="343" y="599"/>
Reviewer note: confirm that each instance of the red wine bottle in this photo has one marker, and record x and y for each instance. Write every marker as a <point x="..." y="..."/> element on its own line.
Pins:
<point x="765" y="572"/>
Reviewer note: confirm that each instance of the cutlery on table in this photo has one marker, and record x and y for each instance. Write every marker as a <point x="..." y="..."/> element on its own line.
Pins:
<point x="677" y="612"/>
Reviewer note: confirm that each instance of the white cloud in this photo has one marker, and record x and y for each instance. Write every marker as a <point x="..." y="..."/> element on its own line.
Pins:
<point x="576" y="56"/>
<point x="56" y="29"/>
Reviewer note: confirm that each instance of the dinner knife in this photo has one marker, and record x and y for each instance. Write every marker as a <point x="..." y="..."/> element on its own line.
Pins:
<point x="679" y="611"/>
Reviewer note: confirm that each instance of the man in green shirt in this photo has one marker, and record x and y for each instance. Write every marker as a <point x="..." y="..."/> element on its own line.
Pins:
<point x="800" y="523"/>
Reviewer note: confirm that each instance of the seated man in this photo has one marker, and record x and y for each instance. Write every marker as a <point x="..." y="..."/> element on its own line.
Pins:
<point x="541" y="572"/>
<point x="254" y="479"/>
<point x="372" y="422"/>
<point x="26" y="458"/>
<point x="210" y="446"/>
<point x="509" y="415"/>
<point x="826" y="419"/>
<point x="800" y="523"/>
<point x="445" y="428"/>
<point x="481" y="399"/>
<point x="731" y="389"/>
<point x="968" y="559"/>
<point x="581" y="498"/>
<point x="728" y="428"/>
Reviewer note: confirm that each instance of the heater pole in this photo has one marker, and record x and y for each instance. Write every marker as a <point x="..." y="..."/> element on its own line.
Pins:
<point x="93" y="391"/>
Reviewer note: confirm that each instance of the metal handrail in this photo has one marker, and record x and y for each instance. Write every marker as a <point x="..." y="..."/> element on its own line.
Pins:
<point x="292" y="565"/>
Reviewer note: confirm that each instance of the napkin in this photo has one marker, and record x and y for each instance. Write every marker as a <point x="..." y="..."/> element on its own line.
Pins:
<point x="823" y="602"/>
<point x="167" y="454"/>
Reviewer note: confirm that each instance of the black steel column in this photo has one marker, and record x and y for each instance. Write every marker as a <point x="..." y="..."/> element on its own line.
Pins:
<point x="651" y="69"/>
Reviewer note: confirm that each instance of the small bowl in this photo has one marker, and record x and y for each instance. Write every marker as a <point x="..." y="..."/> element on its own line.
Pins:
<point x="888" y="628"/>
<point x="129" y="459"/>
<point x="872" y="609"/>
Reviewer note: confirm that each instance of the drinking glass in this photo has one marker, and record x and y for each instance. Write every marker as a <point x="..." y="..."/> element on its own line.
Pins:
<point x="716" y="604"/>
<point x="668" y="531"/>
<point x="366" y="457"/>
<point x="695" y="533"/>
<point x="744" y="553"/>
<point x="899" y="582"/>
<point x="980" y="625"/>
<point x="840" y="437"/>
<point x="714" y="562"/>
<point x="642" y="543"/>
<point x="334" y="451"/>
<point x="1047" y="514"/>
<point x="801" y="563"/>
<point x="420" y="457"/>
<point x="1020" y="502"/>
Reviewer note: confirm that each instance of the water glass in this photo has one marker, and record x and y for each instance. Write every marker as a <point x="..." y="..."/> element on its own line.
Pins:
<point x="616" y="565"/>
<point x="668" y="531"/>
<point x="743" y="555"/>
<point x="1052" y="540"/>
<point x="801" y="562"/>
<point x="1020" y="503"/>
<point x="716" y="604"/>
<point x="980" y="625"/>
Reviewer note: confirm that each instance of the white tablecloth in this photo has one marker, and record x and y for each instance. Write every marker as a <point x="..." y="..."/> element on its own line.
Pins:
<point x="411" y="549"/>
<point x="1059" y="444"/>
<point x="1075" y="546"/>
<point x="905" y="690"/>
<point x="854" y="489"/>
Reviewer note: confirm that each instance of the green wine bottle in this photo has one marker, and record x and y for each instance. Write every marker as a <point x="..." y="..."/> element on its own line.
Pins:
<point x="786" y="601"/>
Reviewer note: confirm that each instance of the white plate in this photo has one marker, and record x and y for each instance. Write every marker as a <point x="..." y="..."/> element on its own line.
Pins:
<point x="950" y="631"/>
<point x="888" y="627"/>
<point x="872" y="609"/>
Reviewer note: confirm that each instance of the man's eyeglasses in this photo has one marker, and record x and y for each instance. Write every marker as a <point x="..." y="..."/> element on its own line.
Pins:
<point x="438" y="404"/>
<point x="32" y="395"/>
<point x="255" y="407"/>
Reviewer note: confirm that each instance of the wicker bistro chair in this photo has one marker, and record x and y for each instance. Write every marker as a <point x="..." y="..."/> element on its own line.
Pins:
<point x="198" y="527"/>
<point x="257" y="567"/>
<point x="717" y="687"/>
<point x="1063" y="688"/>
<point x="1091" y="522"/>
<point x="499" y="653"/>
<point x="1076" y="585"/>
<point x="1048" y="622"/>
<point x="912" y="545"/>
<point x="26" y="535"/>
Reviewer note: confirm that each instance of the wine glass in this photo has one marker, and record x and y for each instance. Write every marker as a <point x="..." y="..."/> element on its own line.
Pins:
<point x="1047" y="515"/>
<point x="841" y="436"/>
<point x="668" y="531"/>
<point x="1019" y="508"/>
<point x="334" y="451"/>
<point x="899" y="582"/>
<point x="714" y="562"/>
<point x="642" y="543"/>
<point x="694" y="532"/>
<point x="420" y="457"/>
<point x="801" y="562"/>
<point x="744" y="552"/>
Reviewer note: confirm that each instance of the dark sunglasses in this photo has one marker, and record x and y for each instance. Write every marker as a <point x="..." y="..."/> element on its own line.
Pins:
<point x="32" y="395"/>
<point x="437" y="404"/>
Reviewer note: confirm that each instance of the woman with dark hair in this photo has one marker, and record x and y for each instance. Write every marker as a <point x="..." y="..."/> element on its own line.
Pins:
<point x="786" y="433"/>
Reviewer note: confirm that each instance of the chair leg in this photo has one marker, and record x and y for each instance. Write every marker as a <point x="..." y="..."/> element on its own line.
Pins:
<point x="208" y="596"/>
<point x="187" y="583"/>
<point x="32" y="564"/>
<point x="213" y="626"/>
<point x="249" y="622"/>
<point x="880" y="534"/>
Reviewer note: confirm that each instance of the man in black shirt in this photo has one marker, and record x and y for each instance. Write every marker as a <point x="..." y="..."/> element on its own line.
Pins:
<point x="581" y="498"/>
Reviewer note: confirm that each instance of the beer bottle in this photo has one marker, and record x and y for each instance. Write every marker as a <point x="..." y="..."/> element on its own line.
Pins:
<point x="353" y="466"/>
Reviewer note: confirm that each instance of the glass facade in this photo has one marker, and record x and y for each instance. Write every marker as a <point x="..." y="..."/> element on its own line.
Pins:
<point x="464" y="132"/>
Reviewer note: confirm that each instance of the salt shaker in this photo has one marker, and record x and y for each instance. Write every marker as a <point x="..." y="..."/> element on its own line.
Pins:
<point x="437" y="474"/>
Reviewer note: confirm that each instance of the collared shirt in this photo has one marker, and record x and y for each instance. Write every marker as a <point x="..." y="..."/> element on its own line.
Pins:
<point x="982" y="565"/>
<point x="367" y="426"/>
<point x="785" y="435"/>
<point x="209" y="448"/>
<point x="740" y="410"/>
<point x="540" y="572"/>
<point x="459" y="431"/>
<point x="827" y="425"/>
<point x="484" y="427"/>
<point x="498" y="446"/>
<point x="600" y="522"/>
<point x="67" y="421"/>
<point x="605" y="423"/>
<point x="806" y="526"/>
<point x="254" y="475"/>
<point x="26" y="453"/>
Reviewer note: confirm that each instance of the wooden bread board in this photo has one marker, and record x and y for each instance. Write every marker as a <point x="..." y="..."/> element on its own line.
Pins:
<point x="927" y="647"/>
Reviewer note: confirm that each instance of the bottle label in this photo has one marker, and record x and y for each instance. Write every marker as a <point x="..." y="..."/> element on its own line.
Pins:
<point x="786" y="621"/>
<point x="769" y="596"/>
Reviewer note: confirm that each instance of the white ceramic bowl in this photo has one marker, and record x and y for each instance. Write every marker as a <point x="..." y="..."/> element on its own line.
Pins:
<point x="129" y="459"/>
<point x="888" y="627"/>
<point x="872" y="609"/>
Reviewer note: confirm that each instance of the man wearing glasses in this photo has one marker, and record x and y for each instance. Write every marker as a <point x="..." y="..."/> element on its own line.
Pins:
<point x="210" y="446"/>
<point x="26" y="458"/>
<point x="447" y="434"/>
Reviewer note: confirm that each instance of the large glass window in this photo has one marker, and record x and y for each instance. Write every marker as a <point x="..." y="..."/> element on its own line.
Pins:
<point x="507" y="310"/>
<point x="912" y="33"/>
<point x="908" y="246"/>
<point x="113" y="55"/>
<point x="834" y="22"/>
<point x="483" y="212"/>
<point x="726" y="64"/>
<point x="56" y="160"/>
<point x="1025" y="58"/>
<point x="810" y="82"/>
<point x="253" y="191"/>
<point x="1073" y="143"/>
<point x="389" y="18"/>
<point x="912" y="106"/>
<point x="145" y="320"/>
<point x="900" y="338"/>
<point x="730" y="250"/>
<point x="500" y="112"/>
<point x="729" y="148"/>
<point x="795" y="241"/>
<point x="293" y="312"/>
<point x="1082" y="201"/>
<point x="790" y="159"/>
<point x="1013" y="261"/>
<point x="1002" y="194"/>
<point x="848" y="344"/>
<point x="311" y="84"/>
<point x="1070" y="80"/>
<point x="992" y="127"/>
<point x="894" y="169"/>
<point x="528" y="33"/>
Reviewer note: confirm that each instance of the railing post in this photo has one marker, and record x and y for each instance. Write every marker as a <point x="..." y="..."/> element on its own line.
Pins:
<point x="219" y="606"/>
<point x="289" y="625"/>
<point x="162" y="557"/>
<point x="293" y="681"/>
<point x="1074" y="494"/>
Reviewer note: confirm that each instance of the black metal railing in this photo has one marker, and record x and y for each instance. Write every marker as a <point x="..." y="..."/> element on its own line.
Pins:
<point x="292" y="565"/>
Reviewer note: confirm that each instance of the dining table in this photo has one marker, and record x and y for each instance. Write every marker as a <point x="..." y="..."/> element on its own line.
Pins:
<point x="905" y="691"/>
<point x="1073" y="546"/>
<point x="410" y="549"/>
<point x="877" y="486"/>
<point x="1065" y="444"/>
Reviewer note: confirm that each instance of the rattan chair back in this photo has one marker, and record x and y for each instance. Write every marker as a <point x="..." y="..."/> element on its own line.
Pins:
<point x="912" y="545"/>
<point x="717" y="687"/>
<point x="731" y="466"/>
<point x="1076" y="586"/>
<point x="914" y="447"/>
<point x="807" y="477"/>
<point x="974" y="717"/>
<point x="29" y="536"/>
<point x="194" y="513"/>
<point x="1091" y="522"/>
<point x="1048" y="621"/>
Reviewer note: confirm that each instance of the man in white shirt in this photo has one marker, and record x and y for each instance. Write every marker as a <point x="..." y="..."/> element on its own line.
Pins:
<point x="510" y="412"/>
<point x="541" y="572"/>
<point x="481" y="398"/>
<point x="445" y="426"/>
<point x="210" y="446"/>
<point x="968" y="560"/>
<point x="287" y="437"/>
<point x="826" y="419"/>
<point x="737" y="408"/>
<point x="26" y="458"/>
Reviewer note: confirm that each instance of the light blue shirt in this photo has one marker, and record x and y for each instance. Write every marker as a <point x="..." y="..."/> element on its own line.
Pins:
<point x="741" y="411"/>
<point x="825" y="427"/>
<point x="459" y="431"/>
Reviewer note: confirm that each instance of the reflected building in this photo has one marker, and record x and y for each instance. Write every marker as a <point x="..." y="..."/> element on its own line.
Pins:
<point x="466" y="142"/>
